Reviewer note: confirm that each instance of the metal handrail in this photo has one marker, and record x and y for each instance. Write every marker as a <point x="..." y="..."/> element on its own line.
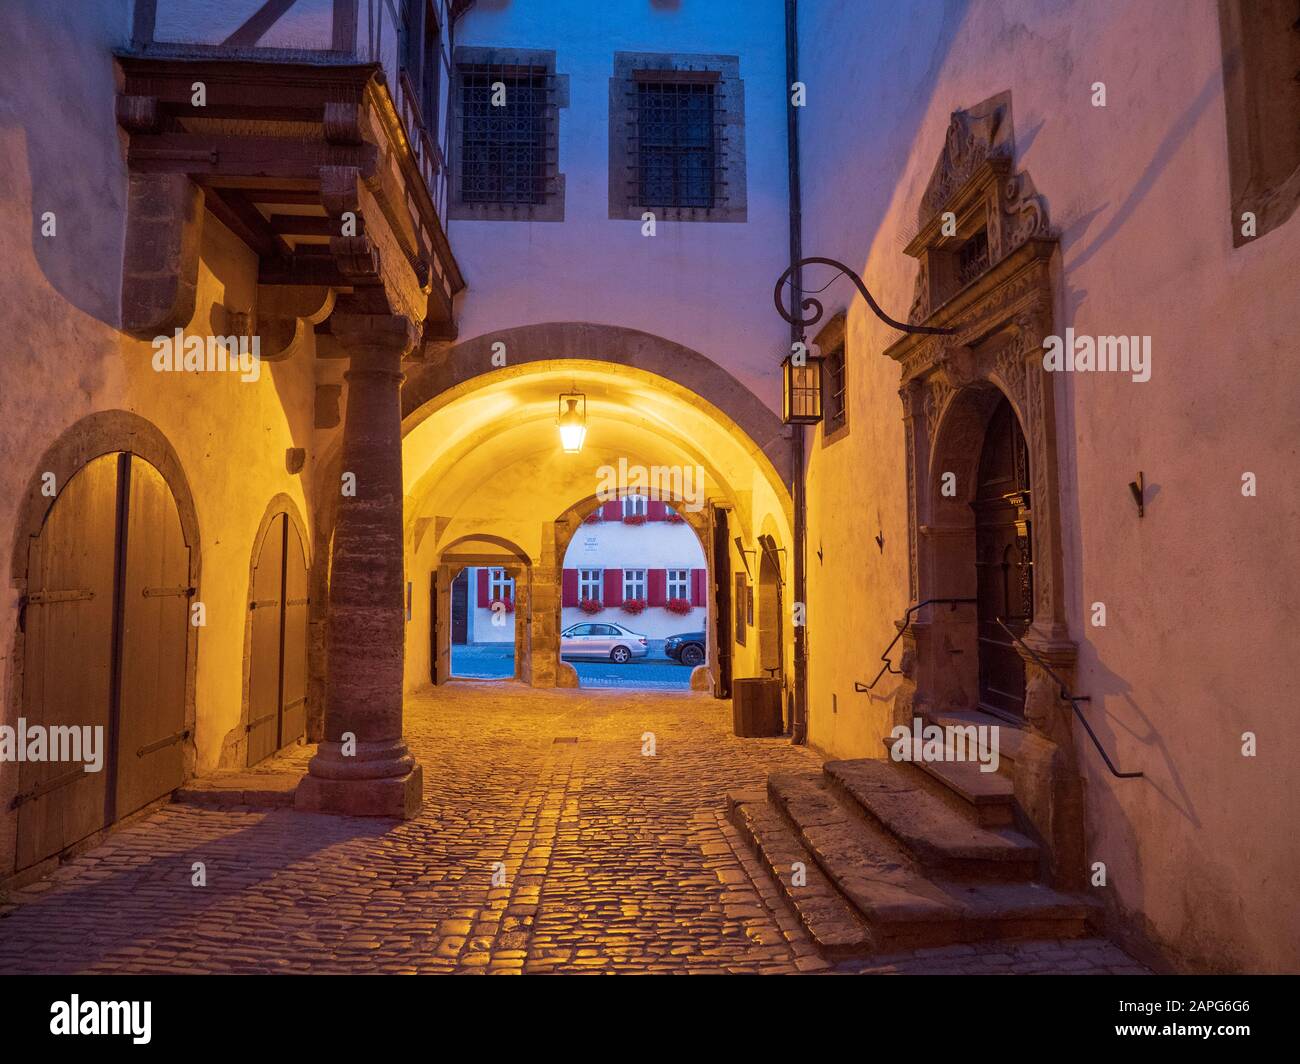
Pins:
<point x="907" y="620"/>
<point x="1074" y="701"/>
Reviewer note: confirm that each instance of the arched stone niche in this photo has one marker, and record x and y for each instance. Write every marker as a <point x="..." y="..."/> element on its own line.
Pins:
<point x="986" y="254"/>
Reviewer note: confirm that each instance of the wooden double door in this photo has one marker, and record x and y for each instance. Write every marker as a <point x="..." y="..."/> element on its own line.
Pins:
<point x="106" y="626"/>
<point x="277" y="671"/>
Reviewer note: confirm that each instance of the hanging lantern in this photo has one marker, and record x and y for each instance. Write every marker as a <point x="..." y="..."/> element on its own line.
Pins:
<point x="801" y="388"/>
<point x="572" y="421"/>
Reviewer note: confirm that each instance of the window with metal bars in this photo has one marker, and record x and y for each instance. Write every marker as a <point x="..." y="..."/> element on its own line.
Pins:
<point x="677" y="148"/>
<point x="834" y="395"/>
<point x="503" y="136"/>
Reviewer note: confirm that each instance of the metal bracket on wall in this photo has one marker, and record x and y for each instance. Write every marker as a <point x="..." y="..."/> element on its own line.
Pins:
<point x="740" y="548"/>
<point x="1138" y="488"/>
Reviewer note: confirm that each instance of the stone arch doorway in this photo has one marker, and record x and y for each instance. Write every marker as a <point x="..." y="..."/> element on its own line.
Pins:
<point x="548" y="620"/>
<point x="512" y="605"/>
<point x="276" y="639"/>
<point x="106" y="557"/>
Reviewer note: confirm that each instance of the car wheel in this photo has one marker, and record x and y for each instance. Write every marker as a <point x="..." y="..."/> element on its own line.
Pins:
<point x="692" y="655"/>
<point x="620" y="655"/>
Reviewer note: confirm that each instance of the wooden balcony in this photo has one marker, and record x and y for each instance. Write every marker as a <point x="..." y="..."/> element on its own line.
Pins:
<point x="315" y="158"/>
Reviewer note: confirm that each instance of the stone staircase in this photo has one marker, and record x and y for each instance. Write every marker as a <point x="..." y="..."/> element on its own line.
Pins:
<point x="900" y="856"/>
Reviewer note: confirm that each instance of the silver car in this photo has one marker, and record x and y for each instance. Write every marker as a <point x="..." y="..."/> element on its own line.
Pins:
<point x="600" y="639"/>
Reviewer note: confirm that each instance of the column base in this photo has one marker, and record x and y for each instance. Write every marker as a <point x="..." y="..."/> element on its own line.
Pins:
<point x="391" y="796"/>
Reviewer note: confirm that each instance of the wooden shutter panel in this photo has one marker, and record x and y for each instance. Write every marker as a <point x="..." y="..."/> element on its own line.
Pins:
<point x="483" y="589"/>
<point x="657" y="585"/>
<point x="570" y="595"/>
<point x="656" y="510"/>
<point x="698" y="577"/>
<point x="613" y="587"/>
<point x="612" y="510"/>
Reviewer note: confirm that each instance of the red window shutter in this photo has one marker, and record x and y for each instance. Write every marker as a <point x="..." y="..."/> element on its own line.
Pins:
<point x="612" y="510"/>
<point x="656" y="510"/>
<point x="570" y="596"/>
<point x="656" y="586"/>
<point x="483" y="589"/>
<point x="613" y="587"/>
<point x="698" y="577"/>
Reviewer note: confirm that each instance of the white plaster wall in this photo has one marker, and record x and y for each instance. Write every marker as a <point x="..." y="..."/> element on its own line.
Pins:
<point x="63" y="357"/>
<point x="705" y="285"/>
<point x="1201" y="592"/>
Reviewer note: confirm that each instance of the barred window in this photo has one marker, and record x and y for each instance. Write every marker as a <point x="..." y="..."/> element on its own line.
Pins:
<point x="834" y="396"/>
<point x="676" y="142"/>
<point x="503" y="136"/>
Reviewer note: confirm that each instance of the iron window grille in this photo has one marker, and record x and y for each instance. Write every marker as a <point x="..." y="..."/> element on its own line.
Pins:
<point x="834" y="402"/>
<point x="504" y="145"/>
<point x="973" y="257"/>
<point x="677" y="142"/>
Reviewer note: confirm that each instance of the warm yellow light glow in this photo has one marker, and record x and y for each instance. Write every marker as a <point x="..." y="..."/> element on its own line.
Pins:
<point x="573" y="427"/>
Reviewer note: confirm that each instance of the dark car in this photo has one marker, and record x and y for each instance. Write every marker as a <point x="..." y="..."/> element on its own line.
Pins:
<point x="686" y="647"/>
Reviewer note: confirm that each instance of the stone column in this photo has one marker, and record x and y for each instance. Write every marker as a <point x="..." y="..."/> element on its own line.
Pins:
<point x="363" y="767"/>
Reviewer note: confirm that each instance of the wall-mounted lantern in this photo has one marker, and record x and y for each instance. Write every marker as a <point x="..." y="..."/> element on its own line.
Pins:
<point x="572" y="421"/>
<point x="801" y="388"/>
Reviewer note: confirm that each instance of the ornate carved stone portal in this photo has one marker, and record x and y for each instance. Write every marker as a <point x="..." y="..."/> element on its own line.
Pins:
<point x="985" y="248"/>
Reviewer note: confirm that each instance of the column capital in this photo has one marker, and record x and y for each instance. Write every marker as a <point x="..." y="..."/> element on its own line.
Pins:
<point x="386" y="333"/>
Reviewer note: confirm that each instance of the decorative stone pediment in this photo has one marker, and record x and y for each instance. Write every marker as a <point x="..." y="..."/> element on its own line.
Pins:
<point x="976" y="209"/>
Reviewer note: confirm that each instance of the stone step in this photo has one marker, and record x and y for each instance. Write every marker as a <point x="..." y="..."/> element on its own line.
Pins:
<point x="987" y="798"/>
<point x="905" y="908"/>
<point x="938" y="836"/>
<point x="831" y="922"/>
<point x="241" y="790"/>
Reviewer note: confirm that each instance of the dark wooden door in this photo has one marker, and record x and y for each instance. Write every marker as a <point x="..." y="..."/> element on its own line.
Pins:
<point x="1004" y="569"/>
<point x="106" y="623"/>
<point x="433" y="626"/>
<point x="722" y="601"/>
<point x="277" y="671"/>
<point x="68" y="620"/>
<point x="264" y="667"/>
<point x="293" y="696"/>
<point x="460" y="608"/>
<point x="155" y="630"/>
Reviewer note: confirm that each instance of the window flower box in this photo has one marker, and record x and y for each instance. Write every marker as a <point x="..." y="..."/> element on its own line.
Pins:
<point x="676" y="519"/>
<point x="634" y="519"/>
<point x="591" y="605"/>
<point x="633" y="606"/>
<point x="680" y="606"/>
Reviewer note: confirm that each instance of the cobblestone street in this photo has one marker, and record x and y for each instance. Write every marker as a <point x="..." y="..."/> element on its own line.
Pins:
<point x="605" y="860"/>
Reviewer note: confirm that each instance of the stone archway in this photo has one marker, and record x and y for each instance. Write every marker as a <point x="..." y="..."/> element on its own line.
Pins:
<point x="483" y="549"/>
<point x="991" y="284"/>
<point x="548" y="670"/>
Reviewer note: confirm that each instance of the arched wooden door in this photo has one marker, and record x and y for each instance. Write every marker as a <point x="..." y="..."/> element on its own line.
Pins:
<point x="1005" y="576"/>
<point x="105" y="621"/>
<point x="277" y="678"/>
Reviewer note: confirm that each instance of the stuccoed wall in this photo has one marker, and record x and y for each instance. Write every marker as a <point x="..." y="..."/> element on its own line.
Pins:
<point x="63" y="357"/>
<point x="1199" y="647"/>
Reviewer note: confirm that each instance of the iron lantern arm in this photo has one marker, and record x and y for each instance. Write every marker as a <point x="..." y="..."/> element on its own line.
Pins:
<point x="815" y="305"/>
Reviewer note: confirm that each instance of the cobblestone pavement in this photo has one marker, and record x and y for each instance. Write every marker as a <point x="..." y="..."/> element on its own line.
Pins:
<point x="533" y="853"/>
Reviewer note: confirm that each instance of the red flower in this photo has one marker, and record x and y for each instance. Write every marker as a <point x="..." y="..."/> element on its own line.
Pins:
<point x="592" y="518"/>
<point x="633" y="606"/>
<point x="634" y="519"/>
<point x="591" y="605"/>
<point x="675" y="519"/>
<point x="677" y="605"/>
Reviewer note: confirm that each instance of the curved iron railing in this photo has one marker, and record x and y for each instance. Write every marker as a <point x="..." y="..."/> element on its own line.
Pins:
<point x="1074" y="701"/>
<point x="907" y="621"/>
